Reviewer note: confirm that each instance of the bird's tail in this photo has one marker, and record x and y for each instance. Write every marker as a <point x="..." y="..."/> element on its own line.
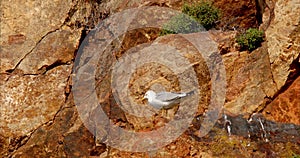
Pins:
<point x="191" y="92"/>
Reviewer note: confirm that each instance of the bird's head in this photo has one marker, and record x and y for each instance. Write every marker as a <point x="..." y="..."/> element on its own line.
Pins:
<point x="149" y="94"/>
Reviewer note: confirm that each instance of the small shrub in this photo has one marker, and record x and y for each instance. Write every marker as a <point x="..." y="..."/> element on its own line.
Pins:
<point x="181" y="23"/>
<point x="205" y="13"/>
<point x="251" y="39"/>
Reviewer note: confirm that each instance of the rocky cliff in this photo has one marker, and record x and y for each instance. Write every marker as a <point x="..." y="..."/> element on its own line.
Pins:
<point x="39" y="44"/>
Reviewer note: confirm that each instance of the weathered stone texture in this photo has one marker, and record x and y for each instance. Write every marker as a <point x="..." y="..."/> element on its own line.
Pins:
<point x="65" y="136"/>
<point x="38" y="117"/>
<point x="29" y="101"/>
<point x="249" y="79"/>
<point x="24" y="23"/>
<point x="56" y="48"/>
<point x="282" y="48"/>
<point x="286" y="107"/>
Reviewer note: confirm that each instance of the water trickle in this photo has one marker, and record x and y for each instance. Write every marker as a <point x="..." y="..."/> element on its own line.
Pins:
<point x="264" y="134"/>
<point x="227" y="124"/>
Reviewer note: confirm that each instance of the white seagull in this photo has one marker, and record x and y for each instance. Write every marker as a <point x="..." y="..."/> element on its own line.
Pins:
<point x="165" y="100"/>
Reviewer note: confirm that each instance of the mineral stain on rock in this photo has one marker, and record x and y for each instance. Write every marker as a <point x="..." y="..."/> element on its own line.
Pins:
<point x="16" y="39"/>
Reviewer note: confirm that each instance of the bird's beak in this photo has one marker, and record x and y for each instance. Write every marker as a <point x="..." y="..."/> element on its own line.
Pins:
<point x="144" y="98"/>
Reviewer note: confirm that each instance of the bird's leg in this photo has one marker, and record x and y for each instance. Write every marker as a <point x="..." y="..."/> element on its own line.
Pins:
<point x="164" y="113"/>
<point x="170" y="113"/>
<point x="167" y="116"/>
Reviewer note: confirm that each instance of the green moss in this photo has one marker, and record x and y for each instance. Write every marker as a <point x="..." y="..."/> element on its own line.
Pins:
<point x="251" y="39"/>
<point x="226" y="146"/>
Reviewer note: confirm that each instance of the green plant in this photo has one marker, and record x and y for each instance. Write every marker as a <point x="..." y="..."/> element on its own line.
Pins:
<point x="251" y="39"/>
<point x="181" y="23"/>
<point x="295" y="156"/>
<point x="204" y="12"/>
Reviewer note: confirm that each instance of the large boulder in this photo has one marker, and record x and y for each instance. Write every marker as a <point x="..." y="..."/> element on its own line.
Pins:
<point x="283" y="38"/>
<point x="250" y="81"/>
<point x="286" y="107"/>
<point x="24" y="24"/>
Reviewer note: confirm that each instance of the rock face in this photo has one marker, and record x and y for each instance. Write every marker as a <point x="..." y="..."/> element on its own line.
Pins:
<point x="163" y="77"/>
<point x="61" y="138"/>
<point x="38" y="116"/>
<point x="286" y="107"/>
<point x="38" y="41"/>
<point x="255" y="78"/>
<point x="249" y="79"/>
<point x="233" y="19"/>
<point x="24" y="24"/>
<point x="283" y="38"/>
<point x="27" y="102"/>
<point x="44" y="55"/>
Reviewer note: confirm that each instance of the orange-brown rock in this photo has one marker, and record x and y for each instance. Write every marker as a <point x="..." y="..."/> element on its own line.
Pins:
<point x="29" y="101"/>
<point x="286" y="107"/>
<point x="44" y="55"/>
<point x="249" y="80"/>
<point x="283" y="38"/>
<point x="24" y="24"/>
<point x="38" y="117"/>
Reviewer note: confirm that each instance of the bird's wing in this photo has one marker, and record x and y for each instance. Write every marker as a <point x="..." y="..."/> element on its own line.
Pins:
<point x="168" y="96"/>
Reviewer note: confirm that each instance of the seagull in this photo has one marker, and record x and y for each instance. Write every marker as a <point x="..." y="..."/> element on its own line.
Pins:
<point x="165" y="100"/>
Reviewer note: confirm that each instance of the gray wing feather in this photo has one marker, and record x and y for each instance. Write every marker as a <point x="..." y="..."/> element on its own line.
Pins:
<point x="168" y="96"/>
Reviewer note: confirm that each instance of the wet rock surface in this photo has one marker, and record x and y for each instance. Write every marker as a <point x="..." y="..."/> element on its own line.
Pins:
<point x="39" y="118"/>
